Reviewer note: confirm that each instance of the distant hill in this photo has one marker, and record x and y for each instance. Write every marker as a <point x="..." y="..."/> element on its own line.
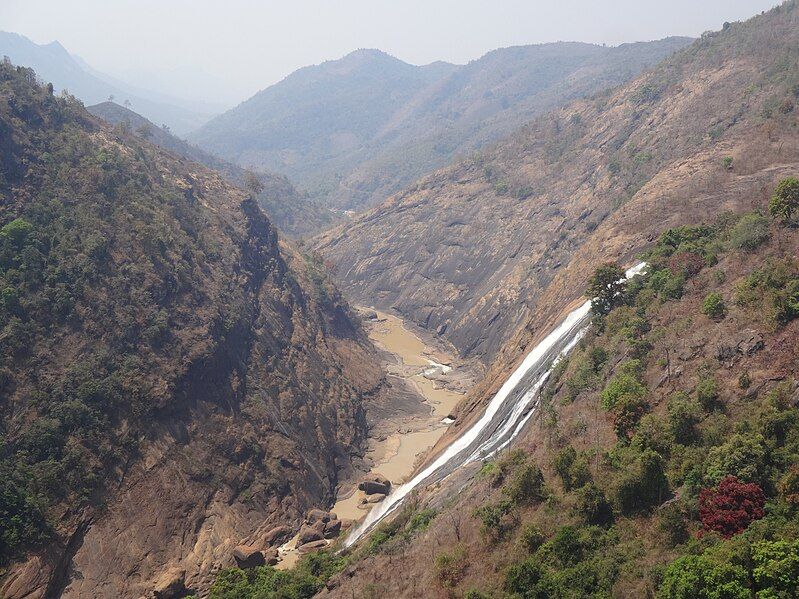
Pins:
<point x="293" y="214"/>
<point x="353" y="131"/>
<point x="54" y="64"/>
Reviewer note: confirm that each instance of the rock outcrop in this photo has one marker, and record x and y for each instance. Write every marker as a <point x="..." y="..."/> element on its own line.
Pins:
<point x="375" y="484"/>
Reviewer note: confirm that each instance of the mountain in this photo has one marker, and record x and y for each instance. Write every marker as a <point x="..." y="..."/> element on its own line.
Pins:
<point x="174" y="378"/>
<point x="660" y="456"/>
<point x="289" y="211"/>
<point x="661" y="462"/>
<point x="469" y="251"/>
<point x="353" y="131"/>
<point x="54" y="64"/>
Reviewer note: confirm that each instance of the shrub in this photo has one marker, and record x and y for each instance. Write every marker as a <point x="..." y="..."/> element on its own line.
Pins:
<point x="475" y="594"/>
<point x="626" y="414"/>
<point x="621" y="385"/>
<point x="789" y="486"/>
<point x="527" y="579"/>
<point x="696" y="577"/>
<point x="731" y="507"/>
<point x="727" y="163"/>
<point x="526" y="485"/>
<point x="750" y="232"/>
<point x="776" y="568"/>
<point x="673" y="523"/>
<point x="572" y="468"/>
<point x="531" y="537"/>
<point x="652" y="433"/>
<point x="643" y="483"/>
<point x="707" y="392"/>
<point x="592" y="506"/>
<point x="683" y="417"/>
<point x="713" y="306"/>
<point x="491" y="516"/>
<point x="744" y="380"/>
<point x="686" y="264"/>
<point x="785" y="201"/>
<point x="450" y="567"/>
<point x="742" y="456"/>
<point x="566" y="547"/>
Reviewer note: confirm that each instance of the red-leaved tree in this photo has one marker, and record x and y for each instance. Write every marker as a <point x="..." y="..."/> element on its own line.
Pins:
<point x="731" y="507"/>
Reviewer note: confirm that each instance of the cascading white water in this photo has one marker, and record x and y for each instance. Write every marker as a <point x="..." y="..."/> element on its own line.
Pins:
<point x="511" y="418"/>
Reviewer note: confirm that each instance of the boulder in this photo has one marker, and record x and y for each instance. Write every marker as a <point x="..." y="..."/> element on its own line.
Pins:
<point x="277" y="536"/>
<point x="369" y="315"/>
<point x="376" y="498"/>
<point x="247" y="556"/>
<point x="317" y="515"/>
<point x="271" y="557"/>
<point x="375" y="483"/>
<point x="312" y="546"/>
<point x="743" y="343"/>
<point x="171" y="584"/>
<point x="332" y="529"/>
<point x="311" y="532"/>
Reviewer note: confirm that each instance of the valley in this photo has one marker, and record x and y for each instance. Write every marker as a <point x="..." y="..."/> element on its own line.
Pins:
<point x="522" y="327"/>
<point x="397" y="443"/>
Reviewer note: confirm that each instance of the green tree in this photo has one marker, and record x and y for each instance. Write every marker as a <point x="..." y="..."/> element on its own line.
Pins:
<point x="16" y="232"/>
<point x="696" y="577"/>
<point x="592" y="505"/>
<point x="785" y="201"/>
<point x="776" y="570"/>
<point x="606" y="288"/>
<point x="713" y="306"/>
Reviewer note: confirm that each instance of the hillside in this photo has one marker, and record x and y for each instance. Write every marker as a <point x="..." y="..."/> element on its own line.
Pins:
<point x="353" y="131"/>
<point x="293" y="214"/>
<point x="470" y="251"/>
<point x="662" y="463"/>
<point x="54" y="64"/>
<point x="174" y="379"/>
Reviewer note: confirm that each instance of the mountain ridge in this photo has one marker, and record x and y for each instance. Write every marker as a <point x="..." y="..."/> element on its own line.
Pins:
<point x="54" y="64"/>
<point x="352" y="136"/>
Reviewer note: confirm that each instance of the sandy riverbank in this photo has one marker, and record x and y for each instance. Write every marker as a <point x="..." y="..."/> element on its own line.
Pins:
<point x="434" y="374"/>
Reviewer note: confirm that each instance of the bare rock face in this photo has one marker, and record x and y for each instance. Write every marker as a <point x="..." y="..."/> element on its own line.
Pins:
<point x="745" y="343"/>
<point x="171" y="584"/>
<point x="375" y="483"/>
<point x="332" y="529"/>
<point x="247" y="556"/>
<point x="317" y="515"/>
<point x="312" y="546"/>
<point x="277" y="536"/>
<point x="270" y="557"/>
<point x="311" y="532"/>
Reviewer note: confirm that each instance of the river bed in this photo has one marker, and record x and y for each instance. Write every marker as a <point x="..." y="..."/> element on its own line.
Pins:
<point x="429" y="371"/>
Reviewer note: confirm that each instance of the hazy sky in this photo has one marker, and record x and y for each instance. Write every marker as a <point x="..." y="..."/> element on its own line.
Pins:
<point x="245" y="45"/>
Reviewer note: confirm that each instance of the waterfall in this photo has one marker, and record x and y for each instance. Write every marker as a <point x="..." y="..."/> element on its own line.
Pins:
<point x="504" y="418"/>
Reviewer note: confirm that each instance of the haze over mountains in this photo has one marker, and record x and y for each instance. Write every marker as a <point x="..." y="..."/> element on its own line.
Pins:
<point x="293" y="214"/>
<point x="185" y="391"/>
<point x="354" y="130"/>
<point x="54" y="64"/>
